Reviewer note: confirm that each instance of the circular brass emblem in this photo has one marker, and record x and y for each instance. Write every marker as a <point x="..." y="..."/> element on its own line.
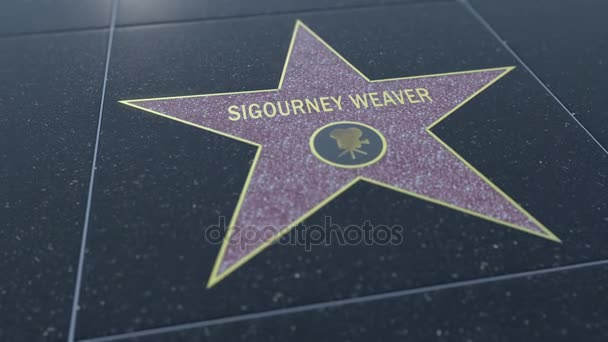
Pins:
<point x="348" y="144"/>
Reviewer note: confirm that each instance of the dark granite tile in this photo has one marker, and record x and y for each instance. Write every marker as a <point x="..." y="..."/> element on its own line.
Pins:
<point x="564" y="306"/>
<point x="27" y="16"/>
<point x="566" y="44"/>
<point x="153" y="11"/>
<point x="51" y="89"/>
<point x="161" y="184"/>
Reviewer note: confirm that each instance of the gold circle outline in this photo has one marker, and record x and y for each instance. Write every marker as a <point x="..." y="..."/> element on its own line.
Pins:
<point x="373" y="161"/>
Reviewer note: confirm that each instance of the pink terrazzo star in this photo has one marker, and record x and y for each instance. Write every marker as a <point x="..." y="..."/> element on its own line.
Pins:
<point x="287" y="182"/>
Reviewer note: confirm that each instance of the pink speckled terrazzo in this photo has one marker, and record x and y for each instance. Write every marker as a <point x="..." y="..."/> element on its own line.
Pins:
<point x="289" y="181"/>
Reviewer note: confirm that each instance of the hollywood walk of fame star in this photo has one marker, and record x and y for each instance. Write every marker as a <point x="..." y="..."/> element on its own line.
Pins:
<point x="287" y="182"/>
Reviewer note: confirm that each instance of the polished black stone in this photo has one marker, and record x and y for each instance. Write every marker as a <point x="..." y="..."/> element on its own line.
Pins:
<point x="565" y="43"/>
<point x="563" y="306"/>
<point x="27" y="16"/>
<point x="132" y="12"/>
<point x="160" y="184"/>
<point x="50" y="87"/>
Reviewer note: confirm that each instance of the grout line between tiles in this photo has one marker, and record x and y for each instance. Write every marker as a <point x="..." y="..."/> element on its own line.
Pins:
<point x="485" y="24"/>
<point x="54" y="31"/>
<point x="393" y="3"/>
<point x="342" y="302"/>
<point x="87" y="215"/>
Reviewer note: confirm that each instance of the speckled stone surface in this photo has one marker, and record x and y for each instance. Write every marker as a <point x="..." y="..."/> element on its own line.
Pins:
<point x="30" y="17"/>
<point x="160" y="186"/>
<point x="562" y="307"/>
<point x="157" y="11"/>
<point x="566" y="46"/>
<point x="50" y="92"/>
